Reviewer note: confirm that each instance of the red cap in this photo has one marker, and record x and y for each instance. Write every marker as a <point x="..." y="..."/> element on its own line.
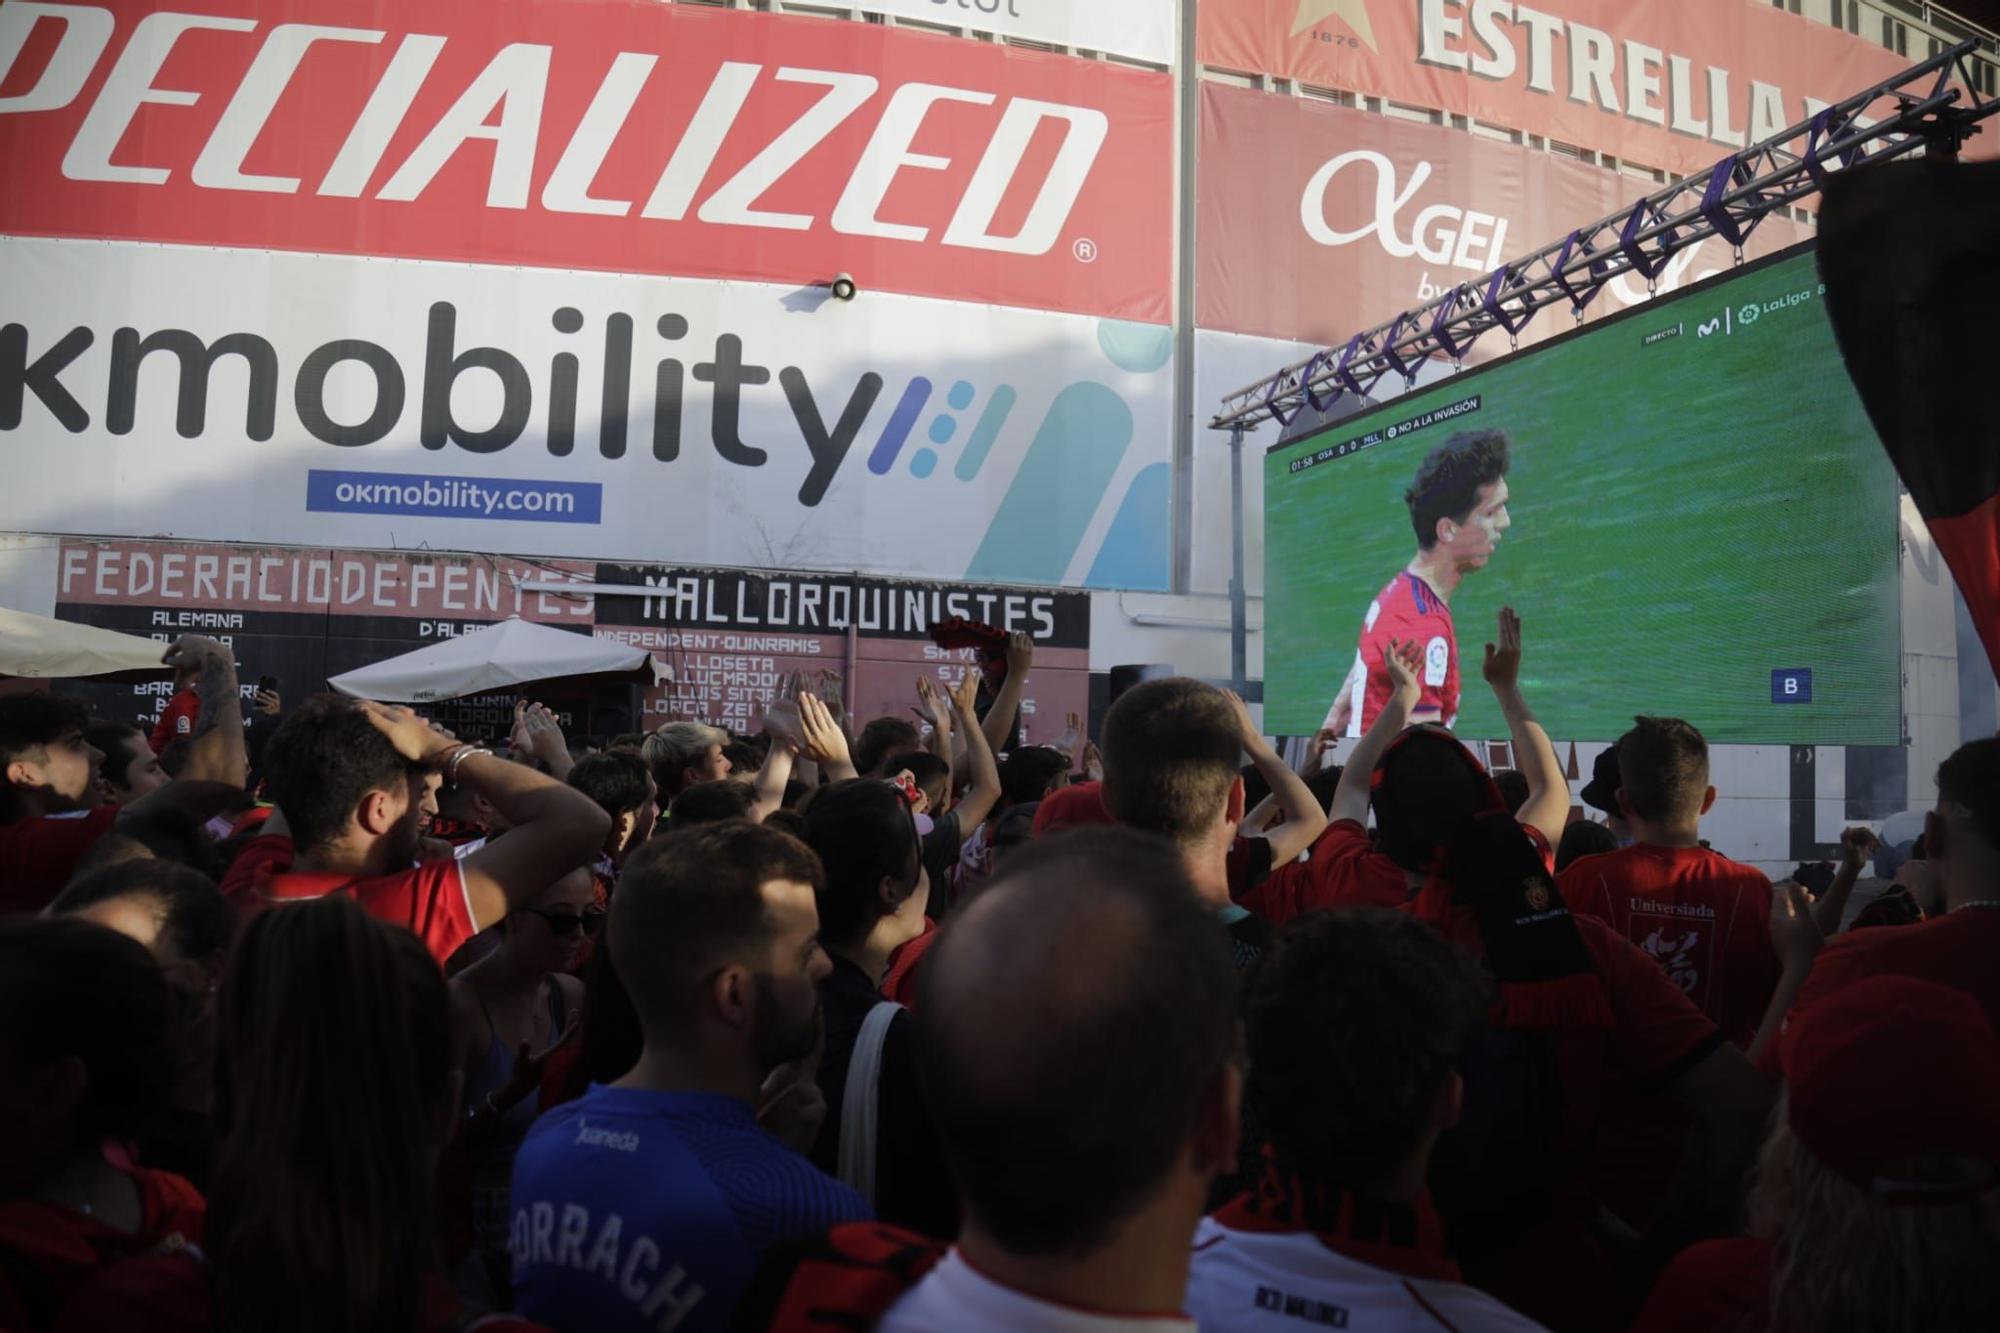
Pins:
<point x="1889" y="1069"/>
<point x="1080" y="805"/>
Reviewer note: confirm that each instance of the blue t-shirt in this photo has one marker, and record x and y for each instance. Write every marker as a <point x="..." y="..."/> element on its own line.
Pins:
<point x="637" y="1210"/>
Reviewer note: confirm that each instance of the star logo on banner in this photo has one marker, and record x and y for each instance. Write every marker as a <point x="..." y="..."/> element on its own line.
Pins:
<point x="1354" y="13"/>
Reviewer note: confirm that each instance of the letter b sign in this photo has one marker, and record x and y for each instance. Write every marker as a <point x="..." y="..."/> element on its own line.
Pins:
<point x="1791" y="685"/>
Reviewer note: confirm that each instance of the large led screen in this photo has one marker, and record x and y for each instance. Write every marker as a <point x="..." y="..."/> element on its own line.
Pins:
<point x="1686" y="505"/>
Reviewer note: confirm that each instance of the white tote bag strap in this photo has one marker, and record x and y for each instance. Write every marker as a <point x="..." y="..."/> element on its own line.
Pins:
<point x="860" y="1103"/>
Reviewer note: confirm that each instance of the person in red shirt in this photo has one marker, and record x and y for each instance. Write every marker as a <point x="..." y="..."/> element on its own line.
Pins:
<point x="348" y="778"/>
<point x="86" y="1065"/>
<point x="1578" y="1013"/>
<point x="50" y="813"/>
<point x="1877" y="1203"/>
<point x="1458" y="506"/>
<point x="1345" y="867"/>
<point x="1959" y="947"/>
<point x="1703" y="917"/>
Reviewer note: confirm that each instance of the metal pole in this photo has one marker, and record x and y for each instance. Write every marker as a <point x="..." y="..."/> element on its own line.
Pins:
<point x="1239" y="597"/>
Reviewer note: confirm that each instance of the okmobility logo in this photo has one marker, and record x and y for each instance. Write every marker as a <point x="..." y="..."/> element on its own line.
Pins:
<point x="1034" y="534"/>
<point x="453" y="497"/>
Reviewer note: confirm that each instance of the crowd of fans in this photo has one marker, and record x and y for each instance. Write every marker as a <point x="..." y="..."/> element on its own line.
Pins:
<point x="913" y="1025"/>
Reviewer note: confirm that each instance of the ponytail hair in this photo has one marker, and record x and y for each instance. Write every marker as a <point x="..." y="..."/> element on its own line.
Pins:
<point x="333" y="1067"/>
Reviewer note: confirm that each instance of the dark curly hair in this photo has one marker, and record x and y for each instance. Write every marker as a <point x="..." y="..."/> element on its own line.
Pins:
<point x="1448" y="481"/>
<point x="1353" y="1024"/>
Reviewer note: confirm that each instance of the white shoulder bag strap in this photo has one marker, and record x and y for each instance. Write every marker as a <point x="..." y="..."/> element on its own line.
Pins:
<point x="860" y="1102"/>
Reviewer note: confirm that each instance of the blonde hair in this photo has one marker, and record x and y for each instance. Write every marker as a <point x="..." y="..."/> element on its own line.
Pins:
<point x="678" y="746"/>
<point x="1845" y="1260"/>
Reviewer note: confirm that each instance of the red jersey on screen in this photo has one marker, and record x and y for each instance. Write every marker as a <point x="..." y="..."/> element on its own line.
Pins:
<point x="1408" y="609"/>
<point x="176" y="720"/>
<point x="1705" y="919"/>
<point x="429" y="899"/>
<point x="41" y="851"/>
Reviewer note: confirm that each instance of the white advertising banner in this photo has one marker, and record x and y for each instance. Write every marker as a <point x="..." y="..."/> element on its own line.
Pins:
<point x="1142" y="29"/>
<point x="215" y="394"/>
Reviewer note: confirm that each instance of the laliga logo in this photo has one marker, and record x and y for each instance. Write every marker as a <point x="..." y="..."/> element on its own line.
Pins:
<point x="1440" y="233"/>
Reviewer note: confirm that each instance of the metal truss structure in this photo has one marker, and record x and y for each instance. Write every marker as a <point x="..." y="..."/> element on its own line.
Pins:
<point x="1728" y="201"/>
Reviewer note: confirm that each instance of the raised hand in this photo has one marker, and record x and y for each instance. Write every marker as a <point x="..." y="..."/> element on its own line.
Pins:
<point x="1794" y="934"/>
<point x="1503" y="661"/>
<point x="781" y="717"/>
<point x="1856" y="846"/>
<point x="820" y="738"/>
<point x="195" y="650"/>
<point x="965" y="698"/>
<point x="931" y="705"/>
<point x="1020" y="652"/>
<point x="267" y="702"/>
<point x="1072" y="733"/>
<point x="537" y="732"/>
<point x="1403" y="660"/>
<point x="1093" y="762"/>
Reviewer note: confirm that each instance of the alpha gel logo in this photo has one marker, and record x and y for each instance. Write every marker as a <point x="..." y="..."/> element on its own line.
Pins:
<point x="453" y="497"/>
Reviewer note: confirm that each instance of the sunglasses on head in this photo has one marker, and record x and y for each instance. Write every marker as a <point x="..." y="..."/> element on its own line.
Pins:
<point x="568" y="923"/>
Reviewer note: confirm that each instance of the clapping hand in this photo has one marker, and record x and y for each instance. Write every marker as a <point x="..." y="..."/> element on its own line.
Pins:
<point x="536" y="732"/>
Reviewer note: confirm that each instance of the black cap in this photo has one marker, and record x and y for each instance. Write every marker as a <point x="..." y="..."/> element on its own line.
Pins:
<point x="1601" y="792"/>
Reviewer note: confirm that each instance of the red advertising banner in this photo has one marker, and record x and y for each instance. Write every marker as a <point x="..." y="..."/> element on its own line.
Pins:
<point x="1316" y="221"/>
<point x="1667" y="83"/>
<point x="619" y="135"/>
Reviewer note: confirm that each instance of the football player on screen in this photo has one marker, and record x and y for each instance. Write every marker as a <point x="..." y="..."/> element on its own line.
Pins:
<point x="1458" y="505"/>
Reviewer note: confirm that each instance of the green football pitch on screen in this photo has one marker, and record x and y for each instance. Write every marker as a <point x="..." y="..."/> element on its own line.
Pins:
<point x="1699" y="523"/>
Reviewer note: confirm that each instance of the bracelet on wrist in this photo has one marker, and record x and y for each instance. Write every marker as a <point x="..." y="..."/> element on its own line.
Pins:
<point x="459" y="756"/>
